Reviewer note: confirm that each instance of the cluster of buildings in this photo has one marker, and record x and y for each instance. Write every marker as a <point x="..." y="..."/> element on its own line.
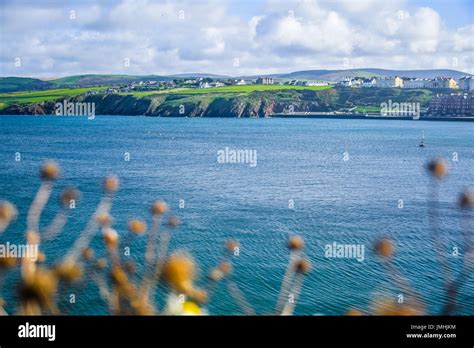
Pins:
<point x="461" y="104"/>
<point x="264" y="81"/>
<point x="205" y="84"/>
<point x="306" y="83"/>
<point x="466" y="82"/>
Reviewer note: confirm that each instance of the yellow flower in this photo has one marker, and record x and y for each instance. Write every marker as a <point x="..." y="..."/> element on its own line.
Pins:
<point x="191" y="308"/>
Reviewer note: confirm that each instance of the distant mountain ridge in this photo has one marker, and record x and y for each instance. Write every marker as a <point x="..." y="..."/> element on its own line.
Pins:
<point x="17" y="84"/>
<point x="337" y="75"/>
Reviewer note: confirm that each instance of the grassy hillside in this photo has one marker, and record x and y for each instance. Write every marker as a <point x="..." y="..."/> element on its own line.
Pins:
<point x="232" y="101"/>
<point x="14" y="84"/>
<point x="40" y="96"/>
<point x="229" y="90"/>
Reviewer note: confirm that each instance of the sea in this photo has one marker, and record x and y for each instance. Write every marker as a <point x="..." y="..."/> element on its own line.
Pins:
<point x="349" y="182"/>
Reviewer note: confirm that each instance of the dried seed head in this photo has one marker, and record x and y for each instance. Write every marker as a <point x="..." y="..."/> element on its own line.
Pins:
<point x="101" y="263"/>
<point x="173" y="221"/>
<point x="87" y="253"/>
<point x="49" y="171"/>
<point x="466" y="199"/>
<point x="33" y="237"/>
<point x="231" y="245"/>
<point x="111" y="184"/>
<point x="159" y="208"/>
<point x="68" y="195"/>
<point x="104" y="219"/>
<point x="216" y="275"/>
<point x="295" y="243"/>
<point x="68" y="271"/>
<point x="110" y="237"/>
<point x="41" y="288"/>
<point x="352" y="312"/>
<point x="8" y="262"/>
<point x="384" y="247"/>
<point x="119" y="277"/>
<point x="8" y="212"/>
<point x="302" y="266"/>
<point x="137" y="226"/>
<point x="225" y="267"/>
<point x="200" y="296"/>
<point x="41" y="257"/>
<point x="121" y="281"/>
<point x="130" y="266"/>
<point x="179" y="272"/>
<point x="390" y="307"/>
<point x="438" y="168"/>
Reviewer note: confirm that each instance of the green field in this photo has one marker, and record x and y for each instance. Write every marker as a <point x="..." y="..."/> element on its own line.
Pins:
<point x="225" y="89"/>
<point x="53" y="94"/>
<point x="245" y="89"/>
<point x="371" y="109"/>
<point x="39" y="96"/>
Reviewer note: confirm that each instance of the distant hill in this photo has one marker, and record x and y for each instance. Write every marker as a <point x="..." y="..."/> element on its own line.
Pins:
<point x="203" y="75"/>
<point x="96" y="80"/>
<point x="337" y="75"/>
<point x="18" y="84"/>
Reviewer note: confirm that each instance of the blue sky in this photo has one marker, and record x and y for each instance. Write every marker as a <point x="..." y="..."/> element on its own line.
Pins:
<point x="48" y="38"/>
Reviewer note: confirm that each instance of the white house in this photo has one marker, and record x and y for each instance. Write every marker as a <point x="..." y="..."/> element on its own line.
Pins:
<point x="346" y="82"/>
<point x="369" y="82"/>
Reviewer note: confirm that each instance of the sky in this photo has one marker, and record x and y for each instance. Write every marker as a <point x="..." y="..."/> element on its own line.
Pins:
<point x="53" y="38"/>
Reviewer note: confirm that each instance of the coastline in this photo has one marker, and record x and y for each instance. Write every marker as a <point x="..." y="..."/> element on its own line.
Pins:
<point x="286" y="116"/>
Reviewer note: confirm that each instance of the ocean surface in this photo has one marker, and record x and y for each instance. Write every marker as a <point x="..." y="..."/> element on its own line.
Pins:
<point x="352" y="201"/>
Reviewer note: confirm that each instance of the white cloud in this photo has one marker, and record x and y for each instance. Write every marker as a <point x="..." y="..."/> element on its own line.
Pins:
<point x="163" y="37"/>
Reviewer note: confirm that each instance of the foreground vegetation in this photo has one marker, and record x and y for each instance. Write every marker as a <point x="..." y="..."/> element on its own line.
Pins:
<point x="134" y="284"/>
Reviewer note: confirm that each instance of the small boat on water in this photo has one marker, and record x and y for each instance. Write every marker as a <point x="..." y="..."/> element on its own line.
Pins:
<point x="422" y="142"/>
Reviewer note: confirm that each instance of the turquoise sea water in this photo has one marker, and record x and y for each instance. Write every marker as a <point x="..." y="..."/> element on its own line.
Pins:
<point x="352" y="201"/>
